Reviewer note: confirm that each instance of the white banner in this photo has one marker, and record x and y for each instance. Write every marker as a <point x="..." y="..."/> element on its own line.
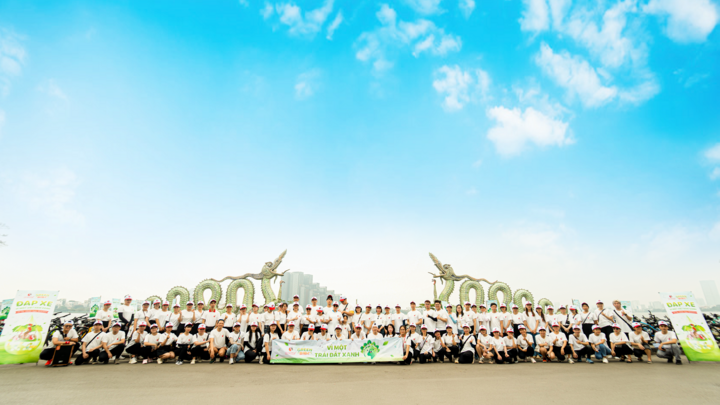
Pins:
<point x="336" y="351"/>
<point x="690" y="327"/>
<point x="26" y="327"/>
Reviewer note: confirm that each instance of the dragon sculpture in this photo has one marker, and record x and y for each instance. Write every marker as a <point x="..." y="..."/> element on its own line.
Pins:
<point x="266" y="275"/>
<point x="448" y="276"/>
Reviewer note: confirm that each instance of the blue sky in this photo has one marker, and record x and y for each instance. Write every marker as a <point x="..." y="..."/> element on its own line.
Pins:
<point x="544" y="143"/>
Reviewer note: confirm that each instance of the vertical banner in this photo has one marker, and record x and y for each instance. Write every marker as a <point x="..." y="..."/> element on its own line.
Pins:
<point x="689" y="324"/>
<point x="93" y="306"/>
<point x="627" y="306"/>
<point x="576" y="304"/>
<point x="115" y="305"/>
<point x="27" y="326"/>
<point x="5" y="309"/>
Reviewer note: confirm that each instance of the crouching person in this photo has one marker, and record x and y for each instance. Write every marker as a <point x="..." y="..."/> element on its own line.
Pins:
<point x="668" y="341"/>
<point x="200" y="350"/>
<point x="184" y="345"/>
<point x="165" y="351"/>
<point x="113" y="344"/>
<point x="253" y="343"/>
<point x="235" y="351"/>
<point x="64" y="342"/>
<point x="136" y="342"/>
<point x="91" y="345"/>
<point x="218" y="341"/>
<point x="152" y="344"/>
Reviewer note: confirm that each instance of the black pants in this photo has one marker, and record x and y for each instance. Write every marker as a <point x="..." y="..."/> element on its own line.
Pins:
<point x="135" y="350"/>
<point x="528" y="353"/>
<point x="250" y="355"/>
<point x="265" y="357"/>
<point x="47" y="354"/>
<point x="503" y="358"/>
<point x="587" y="329"/>
<point x="452" y="352"/>
<point x="115" y="351"/>
<point x="607" y="330"/>
<point x="183" y="352"/>
<point x="200" y="352"/>
<point x="93" y="355"/>
<point x="466" y="357"/>
<point x="640" y="353"/>
<point x="425" y="357"/>
<point x="585" y="351"/>
<point x="516" y="329"/>
<point x="512" y="355"/>
<point x="558" y="354"/>
<point x="149" y="353"/>
<point x="623" y="350"/>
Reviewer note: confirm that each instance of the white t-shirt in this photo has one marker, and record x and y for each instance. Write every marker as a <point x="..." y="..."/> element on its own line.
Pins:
<point x="596" y="339"/>
<point x="267" y="318"/>
<point x="379" y="320"/>
<point x="174" y="319"/>
<point x="93" y="341"/>
<point x="335" y="317"/>
<point x="324" y="337"/>
<point x="269" y="337"/>
<point x="495" y="320"/>
<point x="340" y="334"/>
<point x="111" y="338"/>
<point x="602" y="320"/>
<point x="506" y="319"/>
<point x="155" y="339"/>
<point x="218" y="337"/>
<point x="291" y="335"/>
<point x="58" y="334"/>
<point x="134" y="336"/>
<point x="427" y="321"/>
<point x="371" y="335"/>
<point x="618" y="338"/>
<point x="397" y="320"/>
<point x="619" y="319"/>
<point x="549" y="319"/>
<point x="414" y="317"/>
<point x="141" y="315"/>
<point x="516" y="319"/>
<point x="170" y="338"/>
<point x="356" y="318"/>
<point x="662" y="338"/>
<point x="308" y="319"/>
<point x="243" y="319"/>
<point x="162" y="317"/>
<point x="574" y="341"/>
<point x="468" y="343"/>
<point x="484" y="340"/>
<point x="210" y="318"/>
<point x="638" y="338"/>
<point x="588" y="318"/>
<point x="467" y="318"/>
<point x="530" y="319"/>
<point x="202" y="339"/>
<point x="236" y="337"/>
<point x="126" y="311"/>
<point x="498" y="343"/>
<point x="184" y="339"/>
<point x="104" y="316"/>
<point x="294" y="317"/>
<point x="426" y="344"/>
<point x="440" y="324"/>
<point x="450" y="340"/>
<point x="229" y="319"/>
<point x="187" y="316"/>
<point x="483" y="318"/>
<point x="539" y="341"/>
<point x="525" y="341"/>
<point x="251" y="340"/>
<point x="307" y="336"/>
<point x="257" y="318"/>
<point x="355" y="336"/>
<point x="280" y="317"/>
<point x="509" y="342"/>
<point x="558" y="338"/>
<point x="367" y="321"/>
<point x="199" y="315"/>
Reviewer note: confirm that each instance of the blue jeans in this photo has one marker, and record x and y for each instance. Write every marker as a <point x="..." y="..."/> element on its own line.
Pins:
<point x="236" y="349"/>
<point x="603" y="351"/>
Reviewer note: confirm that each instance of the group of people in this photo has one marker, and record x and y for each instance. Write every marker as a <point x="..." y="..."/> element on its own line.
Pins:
<point x="464" y="334"/>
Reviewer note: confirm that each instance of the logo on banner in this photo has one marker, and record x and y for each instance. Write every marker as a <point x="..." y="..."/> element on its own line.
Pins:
<point x="370" y="349"/>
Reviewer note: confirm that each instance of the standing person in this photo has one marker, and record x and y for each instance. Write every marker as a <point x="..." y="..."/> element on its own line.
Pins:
<point x="252" y="344"/>
<point x="620" y="344"/>
<point x="525" y="345"/>
<point x="604" y="318"/>
<point x="184" y="344"/>
<point x="105" y="315"/>
<point x="565" y="320"/>
<point x="414" y="317"/>
<point x="91" y="345"/>
<point x="345" y="326"/>
<point x="136" y="342"/>
<point x="143" y="315"/>
<point x="484" y="344"/>
<point x="340" y="333"/>
<point x="463" y="318"/>
<point x="235" y="351"/>
<point x="188" y="315"/>
<point x="268" y="317"/>
<point x="540" y="318"/>
<point x="495" y="318"/>
<point x="498" y="348"/>
<point x="310" y="334"/>
<point x="579" y="345"/>
<point x="174" y="319"/>
<point x="588" y="319"/>
<point x="256" y="318"/>
<point x="622" y="318"/>
<point x="449" y="343"/>
<point x="406" y="346"/>
<point x="113" y="344"/>
<point x="199" y="316"/>
<point x="559" y="343"/>
<point x="244" y="319"/>
<point x="345" y="308"/>
<point x="379" y="319"/>
<point x="668" y="344"/>
<point x="162" y="316"/>
<point x="126" y="314"/>
<point x="516" y="319"/>
<point x="68" y="336"/>
<point x="267" y="343"/>
<point x="165" y="350"/>
<point x="511" y="345"/>
<point x="320" y="320"/>
<point x="154" y="311"/>
<point x="151" y="345"/>
<point x="575" y="318"/>
<point x="530" y="321"/>
<point x="314" y="305"/>
<point x="386" y="319"/>
<point x="505" y="319"/>
<point x="550" y="318"/>
<point x="295" y="315"/>
<point x="218" y="341"/>
<point x="640" y="342"/>
<point x="367" y="319"/>
<point x="296" y="298"/>
<point x="452" y="320"/>
<point x="229" y="318"/>
<point x="291" y="333"/>
<point x="335" y="316"/>
<point x="483" y="317"/>
<point x="466" y="347"/>
<point x="543" y="344"/>
<point x="441" y="317"/>
<point x="398" y="318"/>
<point x="359" y="334"/>
<point x="426" y="344"/>
<point x="598" y="342"/>
<point x="355" y="319"/>
<point x="200" y="350"/>
<point x="429" y="318"/>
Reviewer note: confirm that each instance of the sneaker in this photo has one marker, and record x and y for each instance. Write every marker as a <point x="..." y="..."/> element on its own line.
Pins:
<point x="678" y="361"/>
<point x="589" y="361"/>
<point x="49" y="362"/>
<point x="480" y="361"/>
<point x="212" y="360"/>
<point x="261" y="360"/>
<point x="199" y="360"/>
<point x="91" y="361"/>
<point x="116" y="361"/>
<point x="112" y="358"/>
<point x="616" y="357"/>
<point x="457" y="362"/>
<point x="571" y="361"/>
<point x="133" y="360"/>
<point x="532" y="360"/>
<point x="545" y="360"/>
<point x="145" y="361"/>
<point x="160" y="361"/>
<point x="670" y="359"/>
<point x="221" y="360"/>
<point x="179" y="362"/>
<point x="193" y="361"/>
<point x="605" y="361"/>
<point x="122" y="357"/>
<point x="231" y="360"/>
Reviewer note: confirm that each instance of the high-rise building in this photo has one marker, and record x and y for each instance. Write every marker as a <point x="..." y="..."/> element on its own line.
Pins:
<point x="302" y="284"/>
<point x="710" y="291"/>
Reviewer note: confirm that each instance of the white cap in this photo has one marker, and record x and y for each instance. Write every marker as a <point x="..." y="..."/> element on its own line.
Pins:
<point x="615" y="326"/>
<point x="243" y="306"/>
<point x="239" y="324"/>
<point x="423" y="327"/>
<point x="311" y="327"/>
<point x="554" y="324"/>
<point x="254" y="324"/>
<point x="313" y="299"/>
<point x="166" y="303"/>
<point x="128" y="297"/>
<point x="273" y="323"/>
<point x="465" y="325"/>
<point x="338" y="327"/>
<point x="190" y="303"/>
<point x="168" y="325"/>
<point x="496" y="330"/>
<point x="108" y="302"/>
<point x="335" y="304"/>
<point x="176" y="305"/>
<point x="323" y="326"/>
<point x="514" y="306"/>
<point x="599" y="302"/>
<point x="201" y="302"/>
<point x="157" y="301"/>
<point x="201" y="326"/>
<point x="142" y="323"/>
<point x="467" y="303"/>
<point x="291" y="323"/>
<point x="397" y="306"/>
<point x="598" y="326"/>
<point x="296" y="303"/>
<point x="663" y="323"/>
<point x="146" y="303"/>
<point x="296" y="296"/>
<point x="68" y="323"/>
<point x="229" y="305"/>
<point x="521" y="326"/>
<point x="510" y="330"/>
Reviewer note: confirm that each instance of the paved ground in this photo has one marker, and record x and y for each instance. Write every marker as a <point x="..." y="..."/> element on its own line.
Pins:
<point x="618" y="383"/>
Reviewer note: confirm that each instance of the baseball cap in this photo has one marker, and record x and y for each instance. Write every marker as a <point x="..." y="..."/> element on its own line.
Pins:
<point x="335" y="304"/>
<point x="168" y="325"/>
<point x="615" y="326"/>
<point x="510" y="330"/>
<point x="153" y="326"/>
<point x="423" y="327"/>
<point x="68" y="323"/>
<point x="549" y="307"/>
<point x="503" y="305"/>
<point x="514" y="306"/>
<point x="201" y="303"/>
<point x="338" y="327"/>
<point x="189" y="325"/>
<point x="311" y="327"/>
<point x="157" y="301"/>
<point x="319" y="310"/>
<point x="482" y="327"/>
<point x="146" y="303"/>
<point x="636" y="325"/>
<point x="599" y="302"/>
<point x="521" y="327"/>
<point x="323" y="327"/>
<point x="97" y="323"/>
<point x="176" y="305"/>
<point x="296" y="304"/>
<point x="212" y="300"/>
<point x="467" y="302"/>
<point x="243" y="306"/>
<point x="562" y="307"/>
<point x="358" y="326"/>
<point x="254" y="324"/>
<point x="313" y="299"/>
<point x="541" y="328"/>
<point x="190" y="303"/>
<point x="663" y="323"/>
<point x="114" y="324"/>
<point x="166" y="303"/>
<point x="448" y="327"/>
<point x="577" y="327"/>
<point x="273" y="323"/>
<point x="466" y="326"/>
<point x="397" y="306"/>
<point x="108" y="302"/>
<point x="596" y="327"/>
<point x="291" y="323"/>
<point x="239" y="324"/>
<point x="229" y="306"/>
<point x="128" y="297"/>
<point x="554" y="324"/>
<point x="496" y="330"/>
<point x="201" y="326"/>
<point x="296" y="296"/>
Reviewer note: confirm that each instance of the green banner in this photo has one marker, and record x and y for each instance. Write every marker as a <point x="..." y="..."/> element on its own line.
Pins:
<point x="93" y="306"/>
<point x="27" y="326"/>
<point x="336" y="351"/>
<point x="689" y="324"/>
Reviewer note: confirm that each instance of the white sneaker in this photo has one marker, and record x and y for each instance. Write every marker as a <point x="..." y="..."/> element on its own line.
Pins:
<point x="571" y="361"/>
<point x="605" y="361"/>
<point x="193" y="361"/>
<point x="231" y="360"/>
<point x="532" y="360"/>
<point x="261" y="360"/>
<point x="112" y="358"/>
<point x="117" y="361"/>
<point x="159" y="360"/>
<point x="145" y="361"/>
<point x="122" y="357"/>
<point x="133" y="360"/>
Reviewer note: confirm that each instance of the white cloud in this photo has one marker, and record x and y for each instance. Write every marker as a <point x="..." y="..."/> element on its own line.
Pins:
<point x="52" y="193"/>
<point x="244" y="3"/>
<point x="467" y="7"/>
<point x="670" y="243"/>
<point x="425" y="6"/>
<point x="51" y="88"/>
<point x="713" y="154"/>
<point x="575" y="75"/>
<point x="299" y="23"/>
<point x="715" y="174"/>
<point x="267" y="11"/>
<point x="12" y="59"/>
<point x="460" y="87"/>
<point x="334" y="25"/>
<point x="422" y="36"/>
<point x="471" y="191"/>
<point x="516" y="128"/>
<point x="307" y="84"/>
<point x="687" y="20"/>
<point x="535" y="16"/>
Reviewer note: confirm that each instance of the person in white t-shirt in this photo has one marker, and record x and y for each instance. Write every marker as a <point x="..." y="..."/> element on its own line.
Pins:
<point x="211" y="316"/>
<point x="511" y="345"/>
<point x="640" y="342"/>
<point x="483" y="317"/>
<point x="467" y="344"/>
<point x="153" y="312"/>
<point x="441" y="317"/>
<point x="256" y="317"/>
<point x="355" y="318"/>
<point x="310" y="334"/>
<point x="267" y="343"/>
<point x="668" y="344"/>
<point x="621" y="317"/>
<point x="188" y="314"/>
<point x="126" y="314"/>
<point x="307" y="320"/>
<point x="386" y="319"/>
<point x="390" y="331"/>
<point x="201" y="345"/>
<point x="620" y="344"/>
<point x="105" y="315"/>
<point x="484" y="344"/>
<point x="281" y="318"/>
<point x="550" y="317"/>
<point x="429" y="318"/>
<point x="498" y="348"/>
<point x="367" y="319"/>
<point x="425" y="347"/>
<point x="294" y="315"/>
<point x="579" y="345"/>
<point x="291" y="333"/>
<point x="151" y="345"/>
<point x="398" y="318"/>
<point x="136" y="342"/>
<point x="495" y="318"/>
<point x="604" y="318"/>
<point x="268" y="317"/>
<point x="575" y="318"/>
<point x="184" y="344"/>
<point x="324" y="335"/>
<point x="540" y="318"/>
<point x="379" y="318"/>
<point x="143" y="315"/>
<point x="565" y="321"/>
<point x="516" y="319"/>
<point x="506" y="320"/>
<point x="529" y="319"/>
<point x="339" y="333"/>
<point x="374" y="332"/>
<point x="174" y="319"/>
<point x="244" y="319"/>
<point x="165" y="351"/>
<point x="113" y="344"/>
<point x="91" y="345"/>
<point x="559" y="342"/>
<point x="252" y="345"/>
<point x="525" y="345"/>
<point x="543" y="344"/>
<point x="314" y="305"/>
<point x="415" y="340"/>
<point x="406" y="345"/>
<point x="598" y="342"/>
<point x="199" y="315"/>
<point x="162" y="316"/>
<point x="218" y="341"/>
<point x="358" y="334"/>
<point x="235" y="351"/>
<point x="229" y="317"/>
<point x="67" y="337"/>
<point x="414" y="317"/>
<point x="588" y="319"/>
